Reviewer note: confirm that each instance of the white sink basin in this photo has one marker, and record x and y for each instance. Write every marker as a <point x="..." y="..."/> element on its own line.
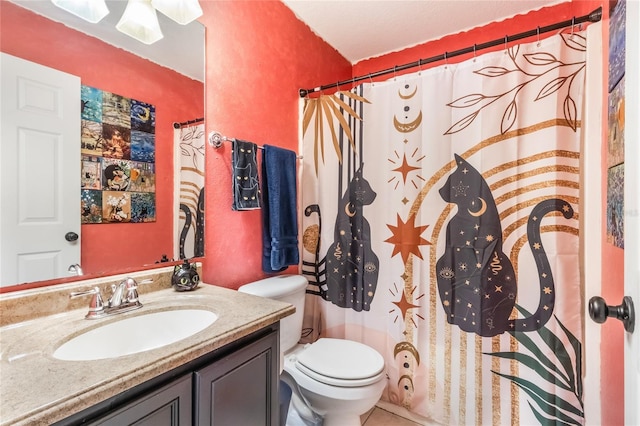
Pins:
<point x="135" y="334"/>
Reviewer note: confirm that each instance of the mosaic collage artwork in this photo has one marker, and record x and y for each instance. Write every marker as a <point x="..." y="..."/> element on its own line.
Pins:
<point x="616" y="101"/>
<point x="118" y="158"/>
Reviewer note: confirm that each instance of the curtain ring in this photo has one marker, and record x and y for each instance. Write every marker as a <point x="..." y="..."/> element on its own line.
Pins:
<point x="370" y="79"/>
<point x="474" y="52"/>
<point x="446" y="62"/>
<point x="338" y="85"/>
<point x="538" y="34"/>
<point x="506" y="46"/>
<point x="394" y="72"/>
<point x="419" y="66"/>
<point x="573" y="24"/>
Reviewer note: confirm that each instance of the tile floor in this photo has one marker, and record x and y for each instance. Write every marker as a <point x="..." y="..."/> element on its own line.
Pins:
<point x="380" y="417"/>
<point x="376" y="417"/>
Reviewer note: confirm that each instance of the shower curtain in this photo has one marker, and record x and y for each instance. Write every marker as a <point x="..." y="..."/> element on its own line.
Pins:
<point x="440" y="226"/>
<point x="190" y="231"/>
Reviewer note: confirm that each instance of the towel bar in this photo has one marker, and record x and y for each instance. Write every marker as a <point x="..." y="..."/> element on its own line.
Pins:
<point x="216" y="139"/>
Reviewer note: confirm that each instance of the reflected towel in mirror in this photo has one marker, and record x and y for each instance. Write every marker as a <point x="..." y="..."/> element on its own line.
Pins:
<point x="244" y="165"/>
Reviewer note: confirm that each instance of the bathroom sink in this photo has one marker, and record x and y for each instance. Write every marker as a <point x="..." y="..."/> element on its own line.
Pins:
<point x="135" y="334"/>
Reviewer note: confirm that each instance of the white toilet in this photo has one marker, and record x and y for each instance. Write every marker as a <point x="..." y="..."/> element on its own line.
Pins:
<point x="335" y="379"/>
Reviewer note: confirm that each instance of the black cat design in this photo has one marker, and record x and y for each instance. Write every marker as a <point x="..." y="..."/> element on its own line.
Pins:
<point x="476" y="280"/>
<point x="351" y="266"/>
<point x="198" y="243"/>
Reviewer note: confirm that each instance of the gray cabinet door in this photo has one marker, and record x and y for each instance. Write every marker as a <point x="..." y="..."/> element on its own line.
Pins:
<point x="241" y="388"/>
<point x="170" y="405"/>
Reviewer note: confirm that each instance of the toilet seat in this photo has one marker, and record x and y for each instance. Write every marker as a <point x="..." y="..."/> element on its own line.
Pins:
<point x="339" y="362"/>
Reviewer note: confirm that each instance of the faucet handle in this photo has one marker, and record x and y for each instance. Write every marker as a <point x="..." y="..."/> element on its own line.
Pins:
<point x="96" y="305"/>
<point x="132" y="288"/>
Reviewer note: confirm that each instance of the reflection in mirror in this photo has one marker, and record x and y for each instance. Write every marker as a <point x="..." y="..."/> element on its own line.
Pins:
<point x="175" y="88"/>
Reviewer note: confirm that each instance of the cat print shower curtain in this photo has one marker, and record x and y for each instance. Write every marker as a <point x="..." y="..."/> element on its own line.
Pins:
<point x="190" y="232"/>
<point x="440" y="217"/>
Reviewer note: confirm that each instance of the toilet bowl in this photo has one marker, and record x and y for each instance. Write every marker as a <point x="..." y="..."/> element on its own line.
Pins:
<point x="338" y="379"/>
<point x="335" y="379"/>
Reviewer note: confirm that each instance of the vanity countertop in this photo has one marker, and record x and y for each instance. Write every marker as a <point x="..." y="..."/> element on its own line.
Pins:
<point x="36" y="388"/>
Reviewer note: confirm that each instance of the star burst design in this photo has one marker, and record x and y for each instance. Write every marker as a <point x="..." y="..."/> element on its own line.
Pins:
<point x="404" y="305"/>
<point x="405" y="168"/>
<point x="406" y="238"/>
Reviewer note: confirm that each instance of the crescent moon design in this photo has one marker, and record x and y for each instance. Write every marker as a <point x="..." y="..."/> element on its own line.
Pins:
<point x="407" y="127"/>
<point x="348" y="211"/>
<point x="408" y="378"/>
<point x="406" y="346"/>
<point x="408" y="96"/>
<point x="482" y="209"/>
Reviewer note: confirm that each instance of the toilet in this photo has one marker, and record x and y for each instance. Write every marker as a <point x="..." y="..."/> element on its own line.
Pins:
<point x="333" y="381"/>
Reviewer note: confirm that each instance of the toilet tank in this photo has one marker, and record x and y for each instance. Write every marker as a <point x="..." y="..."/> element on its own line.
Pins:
<point x="289" y="289"/>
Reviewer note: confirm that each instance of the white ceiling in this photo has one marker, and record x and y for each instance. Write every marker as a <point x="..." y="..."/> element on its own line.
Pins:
<point x="360" y="29"/>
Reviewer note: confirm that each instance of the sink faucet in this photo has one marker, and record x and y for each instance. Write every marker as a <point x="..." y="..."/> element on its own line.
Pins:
<point x="75" y="269"/>
<point x="124" y="297"/>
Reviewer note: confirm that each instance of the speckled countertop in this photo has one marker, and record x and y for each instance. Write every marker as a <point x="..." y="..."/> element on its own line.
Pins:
<point x="36" y="388"/>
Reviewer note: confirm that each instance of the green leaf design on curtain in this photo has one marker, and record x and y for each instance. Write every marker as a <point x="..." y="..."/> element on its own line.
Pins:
<point x="544" y="421"/>
<point x="561" y="372"/>
<point x="548" y="402"/>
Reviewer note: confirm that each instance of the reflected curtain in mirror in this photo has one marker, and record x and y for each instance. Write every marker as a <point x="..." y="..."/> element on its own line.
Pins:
<point x="191" y="215"/>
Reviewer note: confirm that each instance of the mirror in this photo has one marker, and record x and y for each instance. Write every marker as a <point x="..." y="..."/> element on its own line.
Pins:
<point x="168" y="74"/>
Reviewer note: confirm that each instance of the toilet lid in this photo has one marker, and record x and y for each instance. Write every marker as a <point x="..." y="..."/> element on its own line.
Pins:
<point x="341" y="362"/>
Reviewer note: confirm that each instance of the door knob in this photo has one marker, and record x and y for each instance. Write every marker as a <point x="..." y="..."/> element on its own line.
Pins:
<point x="70" y="236"/>
<point x="599" y="311"/>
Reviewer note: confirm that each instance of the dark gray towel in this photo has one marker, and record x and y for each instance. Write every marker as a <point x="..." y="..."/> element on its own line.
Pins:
<point x="245" y="185"/>
<point x="279" y="210"/>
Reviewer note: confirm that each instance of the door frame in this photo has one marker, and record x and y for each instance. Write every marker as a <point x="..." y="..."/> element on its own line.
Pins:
<point x="591" y="217"/>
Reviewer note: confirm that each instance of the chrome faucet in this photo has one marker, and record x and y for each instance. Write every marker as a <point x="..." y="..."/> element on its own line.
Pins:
<point x="75" y="269"/>
<point x="124" y="297"/>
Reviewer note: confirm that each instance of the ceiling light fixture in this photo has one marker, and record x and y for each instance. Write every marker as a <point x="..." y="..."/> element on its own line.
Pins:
<point x="140" y="21"/>
<point x="181" y="11"/>
<point x="89" y="10"/>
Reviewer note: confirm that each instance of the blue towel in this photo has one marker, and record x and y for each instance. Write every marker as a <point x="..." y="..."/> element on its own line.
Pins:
<point x="246" y="190"/>
<point x="279" y="209"/>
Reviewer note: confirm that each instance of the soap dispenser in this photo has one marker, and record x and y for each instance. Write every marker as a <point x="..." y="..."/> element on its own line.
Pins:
<point x="185" y="277"/>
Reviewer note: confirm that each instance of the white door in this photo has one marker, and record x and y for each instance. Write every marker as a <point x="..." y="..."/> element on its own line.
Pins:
<point x="632" y="211"/>
<point x="39" y="171"/>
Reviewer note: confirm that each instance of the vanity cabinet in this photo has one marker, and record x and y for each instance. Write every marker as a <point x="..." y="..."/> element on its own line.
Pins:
<point x="234" y="385"/>
<point x="169" y="405"/>
<point x="232" y="391"/>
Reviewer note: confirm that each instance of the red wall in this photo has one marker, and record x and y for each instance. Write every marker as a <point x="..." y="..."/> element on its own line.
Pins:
<point x="109" y="247"/>
<point x="258" y="55"/>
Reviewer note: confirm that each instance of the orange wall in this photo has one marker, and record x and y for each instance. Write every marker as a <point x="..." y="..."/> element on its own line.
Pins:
<point x="108" y="247"/>
<point x="258" y="55"/>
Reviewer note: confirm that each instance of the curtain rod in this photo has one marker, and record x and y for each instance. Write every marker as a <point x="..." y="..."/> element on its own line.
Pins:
<point x="594" y="16"/>
<point x="186" y="123"/>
